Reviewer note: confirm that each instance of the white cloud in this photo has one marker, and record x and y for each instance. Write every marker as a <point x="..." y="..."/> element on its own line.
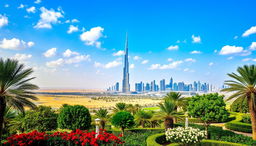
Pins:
<point x="196" y="39"/>
<point x="195" y="52"/>
<point x="78" y="59"/>
<point x="31" y="9"/>
<point x="247" y="59"/>
<point x="22" y="57"/>
<point x="15" y="44"/>
<point x="108" y="65"/>
<point x="211" y="64"/>
<point x="136" y="58"/>
<point x="144" y="62"/>
<point x="92" y="36"/>
<point x="176" y="47"/>
<point x="246" y="53"/>
<point x="169" y="59"/>
<point x="72" y="29"/>
<point x="21" y="6"/>
<point x="253" y="46"/>
<point x="230" y="58"/>
<point x="119" y="53"/>
<point x="48" y="17"/>
<point x="171" y="65"/>
<point x="188" y="70"/>
<point x="225" y="50"/>
<point x="37" y="1"/>
<point x="132" y="66"/>
<point x="69" y="53"/>
<point x="3" y="20"/>
<point x="250" y="31"/>
<point x="74" y="20"/>
<point x="55" y="63"/>
<point x="50" y="53"/>
<point x="190" y="60"/>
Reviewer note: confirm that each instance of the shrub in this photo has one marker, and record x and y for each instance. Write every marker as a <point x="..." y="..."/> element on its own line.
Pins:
<point x="239" y="126"/>
<point x="186" y="135"/>
<point x="123" y="120"/>
<point x="42" y="118"/>
<point x="239" y="106"/>
<point x="246" y="119"/>
<point x="74" y="117"/>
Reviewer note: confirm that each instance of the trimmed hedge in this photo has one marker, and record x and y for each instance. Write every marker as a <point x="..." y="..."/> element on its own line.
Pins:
<point x="239" y="126"/>
<point x="153" y="140"/>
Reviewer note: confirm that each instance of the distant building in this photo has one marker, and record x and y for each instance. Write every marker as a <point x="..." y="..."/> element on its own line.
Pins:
<point x="117" y="86"/>
<point x="153" y="86"/>
<point x="171" y="84"/>
<point x="139" y="87"/>
<point x="126" y="84"/>
<point x="162" y="85"/>
<point x="147" y="87"/>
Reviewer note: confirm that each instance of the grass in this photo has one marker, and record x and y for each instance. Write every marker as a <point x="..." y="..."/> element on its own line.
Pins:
<point x="152" y="108"/>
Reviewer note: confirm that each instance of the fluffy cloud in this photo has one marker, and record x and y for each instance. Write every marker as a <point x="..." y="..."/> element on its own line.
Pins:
<point x="176" y="47"/>
<point x="190" y="60"/>
<point x="22" y="57"/>
<point x="48" y="17"/>
<point x="15" y="44"/>
<point x="211" y="64"/>
<point x="50" y="53"/>
<point x="78" y="59"/>
<point x="108" y="65"/>
<point x="195" y="52"/>
<point x="72" y="29"/>
<point x="230" y="58"/>
<point x="136" y="58"/>
<point x="37" y="1"/>
<point x="21" y="6"/>
<point x="172" y="65"/>
<point x="118" y="53"/>
<point x="144" y="62"/>
<point x="132" y="66"/>
<point x="55" y="63"/>
<point x="250" y="31"/>
<point x="169" y="59"/>
<point x="253" y="46"/>
<point x="31" y="9"/>
<point x="196" y="39"/>
<point x="69" y="53"/>
<point x="3" y="20"/>
<point x="92" y="36"/>
<point x="248" y="59"/>
<point x="226" y="50"/>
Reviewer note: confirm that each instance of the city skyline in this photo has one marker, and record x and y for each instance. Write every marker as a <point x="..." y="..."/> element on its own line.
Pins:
<point x="80" y="44"/>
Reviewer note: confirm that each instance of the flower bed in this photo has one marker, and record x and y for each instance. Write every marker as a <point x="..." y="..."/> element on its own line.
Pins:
<point x="77" y="137"/>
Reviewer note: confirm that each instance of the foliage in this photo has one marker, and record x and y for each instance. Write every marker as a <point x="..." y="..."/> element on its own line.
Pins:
<point x="239" y="105"/>
<point x="74" y="117"/>
<point x="209" y="108"/>
<point x="186" y="135"/>
<point x="9" y="115"/>
<point x="239" y="126"/>
<point x="15" y="91"/>
<point x="120" y="107"/>
<point x="77" y="137"/>
<point x="143" y="117"/>
<point x="133" y="108"/>
<point x="176" y="98"/>
<point x="246" y="119"/>
<point x="123" y="120"/>
<point x="243" y="86"/>
<point x="102" y="114"/>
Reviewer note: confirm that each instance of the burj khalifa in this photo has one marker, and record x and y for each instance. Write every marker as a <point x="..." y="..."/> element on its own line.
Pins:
<point x="126" y="84"/>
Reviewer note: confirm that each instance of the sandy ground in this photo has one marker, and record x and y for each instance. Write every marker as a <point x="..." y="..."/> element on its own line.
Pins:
<point x="57" y="101"/>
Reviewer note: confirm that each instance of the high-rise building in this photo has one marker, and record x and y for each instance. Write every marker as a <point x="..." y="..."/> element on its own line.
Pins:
<point x="139" y="87"/>
<point x="126" y="84"/>
<point x="147" y="87"/>
<point x="171" y="84"/>
<point x="153" y="86"/>
<point x="162" y="85"/>
<point x="117" y="86"/>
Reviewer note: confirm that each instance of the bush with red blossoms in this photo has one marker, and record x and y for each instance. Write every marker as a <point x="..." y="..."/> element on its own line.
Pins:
<point x="77" y="137"/>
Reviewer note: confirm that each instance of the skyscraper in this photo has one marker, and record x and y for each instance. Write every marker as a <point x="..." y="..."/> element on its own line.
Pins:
<point x="126" y="84"/>
<point x="162" y="85"/>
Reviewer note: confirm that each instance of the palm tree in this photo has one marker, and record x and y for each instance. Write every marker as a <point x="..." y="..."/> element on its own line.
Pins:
<point x="168" y="112"/>
<point x="142" y="117"/>
<point x="15" y="89"/>
<point x="120" y="107"/>
<point x="244" y="87"/>
<point x="176" y="98"/>
<point x="102" y="114"/>
<point x="133" y="109"/>
<point x="9" y="114"/>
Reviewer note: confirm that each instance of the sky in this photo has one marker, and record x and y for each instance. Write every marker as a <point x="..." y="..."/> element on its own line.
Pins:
<point x="79" y="44"/>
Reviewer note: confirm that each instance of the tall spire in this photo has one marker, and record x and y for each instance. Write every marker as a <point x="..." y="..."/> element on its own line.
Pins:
<point x="126" y="84"/>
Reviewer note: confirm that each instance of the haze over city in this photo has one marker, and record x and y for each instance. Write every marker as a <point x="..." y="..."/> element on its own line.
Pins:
<point x="81" y="46"/>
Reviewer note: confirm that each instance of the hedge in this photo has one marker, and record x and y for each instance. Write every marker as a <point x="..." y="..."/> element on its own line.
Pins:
<point x="152" y="141"/>
<point x="239" y="126"/>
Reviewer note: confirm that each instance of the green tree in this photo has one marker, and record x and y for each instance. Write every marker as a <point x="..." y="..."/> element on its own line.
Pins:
<point x="103" y="115"/>
<point x="9" y="115"/>
<point x="74" y="117"/>
<point x="133" y="108"/>
<point x="15" y="89"/>
<point x="43" y="118"/>
<point x="120" y="107"/>
<point x="176" y="98"/>
<point x="239" y="105"/>
<point x="143" y="117"/>
<point x="168" y="113"/>
<point x="243" y="84"/>
<point x="123" y="120"/>
<point x="209" y="108"/>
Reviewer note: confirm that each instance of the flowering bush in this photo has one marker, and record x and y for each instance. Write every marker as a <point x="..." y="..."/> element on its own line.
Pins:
<point x="77" y="137"/>
<point x="187" y="136"/>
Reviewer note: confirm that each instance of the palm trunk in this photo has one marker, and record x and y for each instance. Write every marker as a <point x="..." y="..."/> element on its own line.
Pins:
<point x="102" y="123"/>
<point x="168" y="122"/>
<point x="2" y="109"/>
<point x="253" y="115"/>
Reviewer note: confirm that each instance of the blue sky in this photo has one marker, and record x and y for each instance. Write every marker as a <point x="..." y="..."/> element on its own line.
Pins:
<point x="79" y="44"/>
